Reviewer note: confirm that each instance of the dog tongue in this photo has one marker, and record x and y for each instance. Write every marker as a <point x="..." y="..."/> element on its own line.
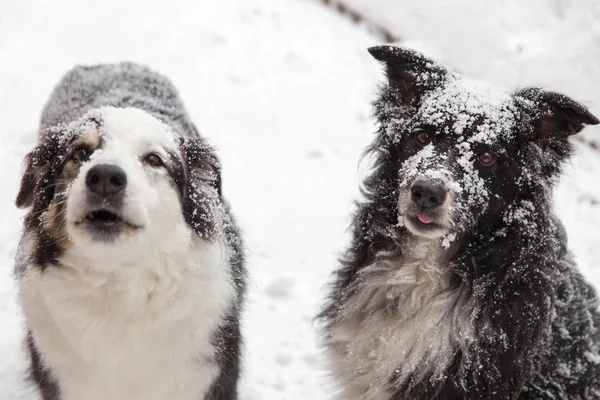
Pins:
<point x="424" y="219"/>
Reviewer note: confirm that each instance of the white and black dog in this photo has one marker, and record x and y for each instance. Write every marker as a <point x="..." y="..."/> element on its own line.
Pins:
<point x="458" y="283"/>
<point x="130" y="268"/>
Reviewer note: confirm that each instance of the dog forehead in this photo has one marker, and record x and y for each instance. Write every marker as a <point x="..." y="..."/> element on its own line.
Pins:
<point x="135" y="129"/>
<point x="470" y="110"/>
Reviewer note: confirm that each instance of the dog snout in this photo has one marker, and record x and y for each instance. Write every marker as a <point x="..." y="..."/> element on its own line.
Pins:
<point x="428" y="195"/>
<point x="106" y="180"/>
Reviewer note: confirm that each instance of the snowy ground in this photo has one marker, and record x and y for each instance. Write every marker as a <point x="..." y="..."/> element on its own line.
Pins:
<point x="282" y="88"/>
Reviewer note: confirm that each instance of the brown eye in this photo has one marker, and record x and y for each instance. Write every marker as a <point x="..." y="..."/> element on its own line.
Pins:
<point x="422" y="138"/>
<point x="79" y="155"/>
<point x="153" y="160"/>
<point x="487" y="158"/>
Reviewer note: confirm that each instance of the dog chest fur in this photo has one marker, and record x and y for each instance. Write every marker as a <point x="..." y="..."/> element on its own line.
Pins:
<point x="138" y="331"/>
<point x="402" y="322"/>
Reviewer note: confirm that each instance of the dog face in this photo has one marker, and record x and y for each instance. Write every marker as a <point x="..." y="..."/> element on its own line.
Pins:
<point x="118" y="180"/>
<point x="456" y="154"/>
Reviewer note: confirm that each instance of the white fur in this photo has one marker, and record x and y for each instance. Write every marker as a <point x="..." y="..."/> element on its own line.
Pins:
<point x="131" y="319"/>
<point x="404" y="321"/>
<point x="129" y="134"/>
<point x="444" y="214"/>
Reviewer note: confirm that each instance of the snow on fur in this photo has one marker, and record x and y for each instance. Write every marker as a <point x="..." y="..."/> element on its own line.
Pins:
<point x="518" y="319"/>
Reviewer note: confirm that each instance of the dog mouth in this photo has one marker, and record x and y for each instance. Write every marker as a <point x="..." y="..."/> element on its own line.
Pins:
<point x="425" y="225"/>
<point x="107" y="221"/>
<point x="424" y="219"/>
<point x="103" y="217"/>
<point x="424" y="208"/>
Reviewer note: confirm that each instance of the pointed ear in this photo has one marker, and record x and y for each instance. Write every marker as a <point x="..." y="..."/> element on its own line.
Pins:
<point x="410" y="72"/>
<point x="201" y="197"/>
<point x="557" y="116"/>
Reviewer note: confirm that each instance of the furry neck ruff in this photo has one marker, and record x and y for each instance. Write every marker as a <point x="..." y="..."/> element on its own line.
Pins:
<point x="458" y="283"/>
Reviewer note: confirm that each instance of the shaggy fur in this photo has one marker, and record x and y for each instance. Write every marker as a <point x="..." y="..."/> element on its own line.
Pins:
<point x="130" y="267"/>
<point x="458" y="283"/>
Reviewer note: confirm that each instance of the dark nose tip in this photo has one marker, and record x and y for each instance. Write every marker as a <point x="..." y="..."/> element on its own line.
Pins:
<point x="106" y="180"/>
<point x="428" y="195"/>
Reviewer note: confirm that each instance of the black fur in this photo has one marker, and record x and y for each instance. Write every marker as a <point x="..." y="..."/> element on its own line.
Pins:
<point x="43" y="183"/>
<point x="200" y="163"/>
<point x="39" y="184"/>
<point x="536" y="321"/>
<point x="39" y="374"/>
<point x="228" y="339"/>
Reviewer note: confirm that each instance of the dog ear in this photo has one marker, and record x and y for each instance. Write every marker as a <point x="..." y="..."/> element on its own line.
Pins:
<point x="201" y="194"/>
<point x="28" y="183"/>
<point x="410" y="72"/>
<point x="557" y="116"/>
<point x="36" y="182"/>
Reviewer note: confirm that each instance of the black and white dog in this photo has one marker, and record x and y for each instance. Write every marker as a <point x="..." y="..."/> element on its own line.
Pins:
<point x="130" y="267"/>
<point x="458" y="283"/>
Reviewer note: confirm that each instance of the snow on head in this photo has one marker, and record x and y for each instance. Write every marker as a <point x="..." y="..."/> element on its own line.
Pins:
<point x="463" y="105"/>
<point x="461" y="118"/>
<point x="487" y="147"/>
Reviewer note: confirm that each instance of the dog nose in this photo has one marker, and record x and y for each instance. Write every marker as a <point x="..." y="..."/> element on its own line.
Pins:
<point x="428" y="195"/>
<point x="106" y="180"/>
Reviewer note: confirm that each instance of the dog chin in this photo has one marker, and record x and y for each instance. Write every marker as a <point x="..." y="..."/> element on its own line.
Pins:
<point x="427" y="231"/>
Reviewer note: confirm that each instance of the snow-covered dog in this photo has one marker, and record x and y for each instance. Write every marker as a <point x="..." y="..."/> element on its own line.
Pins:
<point x="458" y="283"/>
<point x="130" y="267"/>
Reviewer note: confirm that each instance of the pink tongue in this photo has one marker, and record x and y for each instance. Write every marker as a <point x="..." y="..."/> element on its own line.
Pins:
<point x="424" y="219"/>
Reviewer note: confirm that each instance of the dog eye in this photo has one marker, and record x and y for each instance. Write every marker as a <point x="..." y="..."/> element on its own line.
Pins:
<point x="422" y="138"/>
<point x="153" y="160"/>
<point x="80" y="155"/>
<point x="487" y="158"/>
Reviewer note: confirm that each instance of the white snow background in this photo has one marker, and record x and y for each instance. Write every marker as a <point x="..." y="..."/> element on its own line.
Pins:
<point x="283" y="88"/>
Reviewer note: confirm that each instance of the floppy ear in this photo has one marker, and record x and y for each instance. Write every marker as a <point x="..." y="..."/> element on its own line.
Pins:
<point x="557" y="116"/>
<point x="410" y="72"/>
<point x="36" y="182"/>
<point x="28" y="183"/>
<point x="201" y="194"/>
